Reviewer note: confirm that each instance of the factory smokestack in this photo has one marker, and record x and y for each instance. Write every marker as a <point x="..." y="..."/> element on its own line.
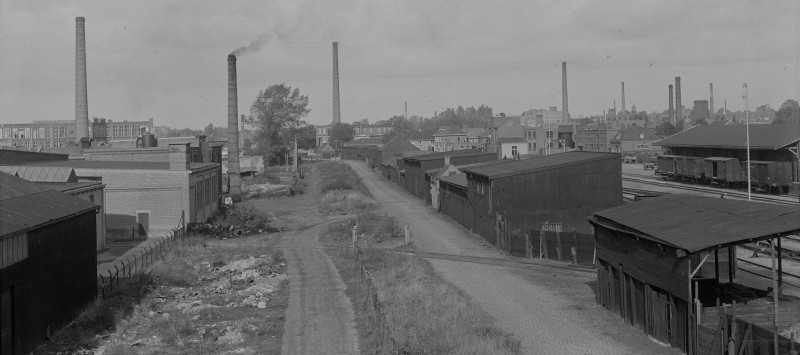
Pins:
<point x="81" y="97"/>
<point x="234" y="177"/>
<point x="678" y="106"/>
<point x="711" y="98"/>
<point x="337" y="112"/>
<point x="671" y="107"/>
<point x="623" y="99"/>
<point x="564" y="100"/>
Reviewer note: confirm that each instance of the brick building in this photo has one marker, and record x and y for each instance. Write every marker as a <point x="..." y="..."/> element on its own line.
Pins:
<point x="154" y="194"/>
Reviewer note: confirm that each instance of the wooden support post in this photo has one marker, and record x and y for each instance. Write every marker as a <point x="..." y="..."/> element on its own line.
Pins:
<point x="355" y="236"/>
<point x="528" y="245"/>
<point x="731" y="258"/>
<point x="775" y="292"/>
<point x="405" y="231"/>
<point x="543" y="245"/>
<point x="574" y="248"/>
<point x="558" y="243"/>
<point x="780" y="267"/>
<point x="689" y="311"/>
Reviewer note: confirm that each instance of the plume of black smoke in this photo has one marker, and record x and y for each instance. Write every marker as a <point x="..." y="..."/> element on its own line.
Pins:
<point x="254" y="46"/>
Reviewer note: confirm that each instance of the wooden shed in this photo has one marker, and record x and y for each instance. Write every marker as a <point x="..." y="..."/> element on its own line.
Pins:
<point x="661" y="273"/>
<point x="563" y="188"/>
<point x="412" y="169"/>
<point x="48" y="264"/>
<point x="454" y="202"/>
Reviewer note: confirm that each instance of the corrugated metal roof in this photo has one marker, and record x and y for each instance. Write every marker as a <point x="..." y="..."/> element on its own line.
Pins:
<point x="69" y="186"/>
<point x="455" y="179"/>
<point x="25" y="205"/>
<point x="762" y="136"/>
<point x="514" y="167"/>
<point x="453" y="153"/>
<point x="695" y="223"/>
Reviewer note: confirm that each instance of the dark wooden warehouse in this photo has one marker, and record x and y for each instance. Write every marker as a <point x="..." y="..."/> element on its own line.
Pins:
<point x="48" y="265"/>
<point x="412" y="169"/>
<point x="454" y="201"/>
<point x="562" y="188"/>
<point x="662" y="274"/>
<point x="375" y="156"/>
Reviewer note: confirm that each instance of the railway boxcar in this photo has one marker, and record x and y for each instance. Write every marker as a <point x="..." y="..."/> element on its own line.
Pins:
<point x="689" y="168"/>
<point x="722" y="170"/>
<point x="666" y="165"/>
<point x="769" y="175"/>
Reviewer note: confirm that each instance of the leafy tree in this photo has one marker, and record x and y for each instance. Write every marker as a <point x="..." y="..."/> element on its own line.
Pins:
<point x="665" y="129"/>
<point x="277" y="114"/>
<point x="341" y="133"/>
<point x="789" y="112"/>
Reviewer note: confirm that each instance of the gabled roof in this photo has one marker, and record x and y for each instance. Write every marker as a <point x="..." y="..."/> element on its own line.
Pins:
<point x="454" y="153"/>
<point x="364" y="141"/>
<point x="325" y="148"/>
<point x="515" y="167"/>
<point x="636" y="133"/>
<point x="475" y="132"/>
<point x="715" y="222"/>
<point x="41" y="173"/>
<point x="397" y="144"/>
<point x="768" y="136"/>
<point x="459" y="180"/>
<point x="511" y="140"/>
<point x="451" y="130"/>
<point x="421" y="136"/>
<point x="509" y="121"/>
<point x="25" y="205"/>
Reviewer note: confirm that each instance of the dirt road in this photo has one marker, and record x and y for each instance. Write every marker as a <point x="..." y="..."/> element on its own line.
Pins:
<point x="319" y="319"/>
<point x="552" y="312"/>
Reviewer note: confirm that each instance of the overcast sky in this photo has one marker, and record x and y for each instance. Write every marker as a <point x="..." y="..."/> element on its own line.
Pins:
<point x="167" y="59"/>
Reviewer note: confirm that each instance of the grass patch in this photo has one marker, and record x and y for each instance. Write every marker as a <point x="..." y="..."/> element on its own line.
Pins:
<point x="342" y="189"/>
<point x="207" y="298"/>
<point x="424" y="313"/>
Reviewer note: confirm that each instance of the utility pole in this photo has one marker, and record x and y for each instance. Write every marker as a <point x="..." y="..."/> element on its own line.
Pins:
<point x="747" y="129"/>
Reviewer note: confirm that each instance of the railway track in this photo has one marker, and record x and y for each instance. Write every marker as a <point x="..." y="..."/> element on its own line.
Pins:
<point x="705" y="189"/>
<point x="766" y="272"/>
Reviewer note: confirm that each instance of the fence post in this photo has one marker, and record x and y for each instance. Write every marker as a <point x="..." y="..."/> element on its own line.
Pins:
<point x="116" y="274"/>
<point x="102" y="286"/>
<point x="574" y="249"/>
<point x="133" y="232"/>
<point x="405" y="231"/>
<point x="558" y="243"/>
<point x="542" y="245"/>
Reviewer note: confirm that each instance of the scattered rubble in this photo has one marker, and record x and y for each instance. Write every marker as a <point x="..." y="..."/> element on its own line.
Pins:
<point x="233" y="223"/>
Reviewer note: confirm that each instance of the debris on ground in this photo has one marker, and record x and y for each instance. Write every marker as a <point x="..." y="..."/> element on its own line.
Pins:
<point x="233" y="223"/>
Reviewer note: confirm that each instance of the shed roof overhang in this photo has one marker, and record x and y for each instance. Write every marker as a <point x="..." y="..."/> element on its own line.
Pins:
<point x="693" y="224"/>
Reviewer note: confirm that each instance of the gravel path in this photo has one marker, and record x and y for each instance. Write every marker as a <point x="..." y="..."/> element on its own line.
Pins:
<point x="551" y="313"/>
<point x="319" y="319"/>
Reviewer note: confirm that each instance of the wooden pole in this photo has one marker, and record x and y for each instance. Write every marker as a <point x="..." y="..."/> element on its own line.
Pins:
<point x="774" y="297"/>
<point x="780" y="267"/>
<point x="405" y="230"/>
<point x="690" y="340"/>
<point x="558" y="243"/>
<point x="574" y="249"/>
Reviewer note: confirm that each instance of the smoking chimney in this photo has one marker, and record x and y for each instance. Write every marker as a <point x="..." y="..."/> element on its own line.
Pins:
<point x="81" y="100"/>
<point x="678" y="106"/>
<point x="564" y="100"/>
<point x="623" y="100"/>
<point x="337" y="113"/>
<point x="671" y="107"/>
<point x="711" y="98"/>
<point x="234" y="177"/>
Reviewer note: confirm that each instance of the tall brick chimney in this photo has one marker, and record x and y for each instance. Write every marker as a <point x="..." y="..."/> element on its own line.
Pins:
<point x="678" y="106"/>
<point x="671" y="107"/>
<point x="623" y="100"/>
<point x="234" y="178"/>
<point x="81" y="100"/>
<point x="564" y="99"/>
<point x="711" y="98"/>
<point x="337" y="112"/>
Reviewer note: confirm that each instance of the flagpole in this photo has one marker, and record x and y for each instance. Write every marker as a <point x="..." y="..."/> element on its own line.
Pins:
<point x="747" y="125"/>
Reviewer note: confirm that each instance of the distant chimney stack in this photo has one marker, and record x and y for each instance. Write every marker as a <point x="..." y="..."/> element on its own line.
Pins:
<point x="671" y="107"/>
<point x="81" y="97"/>
<point x="711" y="98"/>
<point x="446" y="160"/>
<point x="623" y="98"/>
<point x="235" y="179"/>
<point x="678" y="106"/>
<point x="564" y="96"/>
<point x="337" y="112"/>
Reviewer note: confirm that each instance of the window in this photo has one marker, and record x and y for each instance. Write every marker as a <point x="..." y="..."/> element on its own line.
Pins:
<point x="15" y="248"/>
<point x="530" y="148"/>
<point x="91" y="198"/>
<point x="514" y="150"/>
<point x="549" y="134"/>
